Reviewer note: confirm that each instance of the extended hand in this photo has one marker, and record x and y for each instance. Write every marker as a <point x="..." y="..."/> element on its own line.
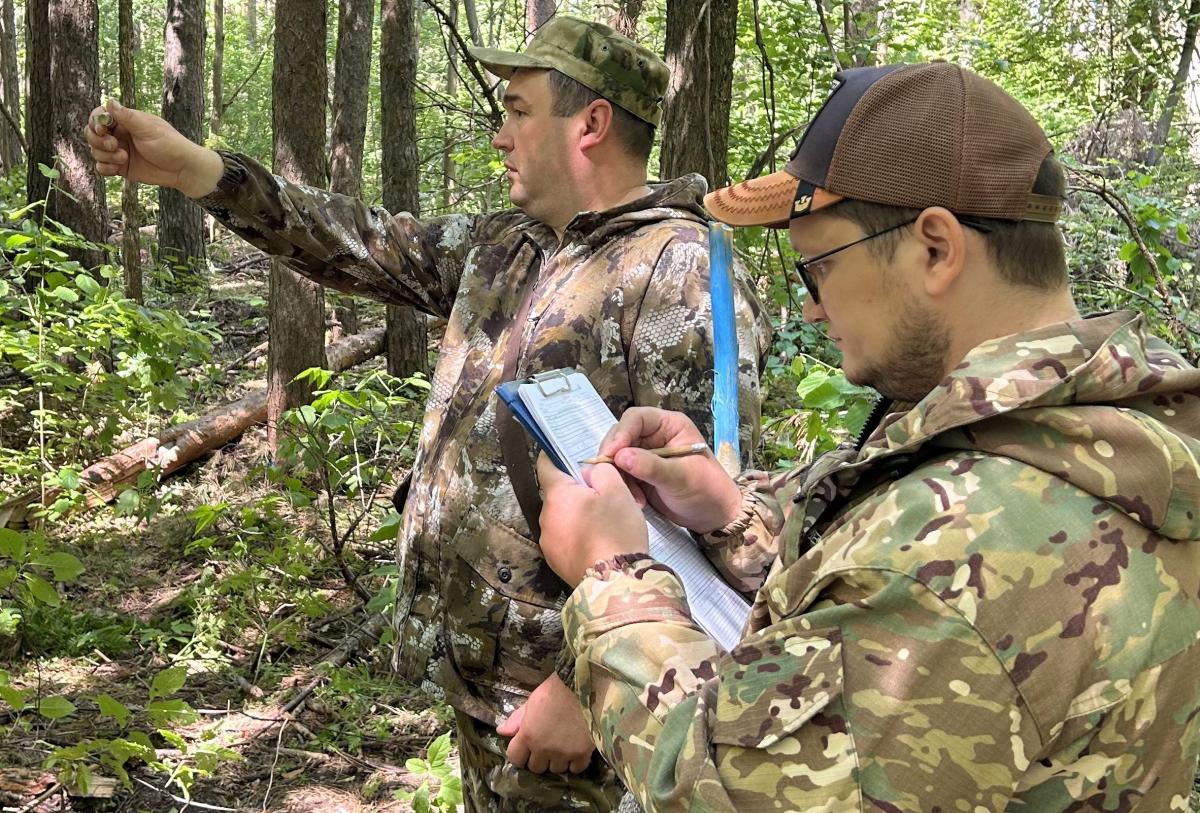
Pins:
<point x="692" y="491"/>
<point x="146" y="149"/>
<point x="582" y="525"/>
<point x="549" y="732"/>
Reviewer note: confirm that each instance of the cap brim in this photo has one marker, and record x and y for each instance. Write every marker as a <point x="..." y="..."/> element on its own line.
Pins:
<point x="503" y="63"/>
<point x="767" y="201"/>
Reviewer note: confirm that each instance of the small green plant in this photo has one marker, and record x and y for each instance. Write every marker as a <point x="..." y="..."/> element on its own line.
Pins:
<point x="75" y="765"/>
<point x="826" y="410"/>
<point x="28" y="571"/>
<point x="434" y="768"/>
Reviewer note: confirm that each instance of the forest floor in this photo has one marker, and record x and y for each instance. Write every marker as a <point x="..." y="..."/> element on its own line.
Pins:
<point x="284" y="666"/>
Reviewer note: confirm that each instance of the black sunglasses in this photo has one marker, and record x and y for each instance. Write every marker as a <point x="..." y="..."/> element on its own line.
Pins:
<point x="802" y="264"/>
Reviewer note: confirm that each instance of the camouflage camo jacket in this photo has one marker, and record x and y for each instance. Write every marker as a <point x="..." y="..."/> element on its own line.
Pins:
<point x="624" y="299"/>
<point x="993" y="605"/>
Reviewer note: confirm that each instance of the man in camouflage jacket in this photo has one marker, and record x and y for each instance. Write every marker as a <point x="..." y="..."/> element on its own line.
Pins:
<point x="993" y="601"/>
<point x="597" y="271"/>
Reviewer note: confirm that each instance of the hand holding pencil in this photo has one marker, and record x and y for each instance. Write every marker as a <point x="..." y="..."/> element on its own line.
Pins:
<point x="666" y="459"/>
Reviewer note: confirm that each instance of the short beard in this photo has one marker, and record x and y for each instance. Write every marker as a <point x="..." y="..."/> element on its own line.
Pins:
<point x="917" y="361"/>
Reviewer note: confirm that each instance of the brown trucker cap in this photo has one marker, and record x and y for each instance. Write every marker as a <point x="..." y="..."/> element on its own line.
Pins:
<point x="915" y="136"/>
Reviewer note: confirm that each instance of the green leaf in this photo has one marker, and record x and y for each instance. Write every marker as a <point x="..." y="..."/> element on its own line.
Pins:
<point x="415" y="765"/>
<point x="1181" y="234"/>
<point x="48" y="172"/>
<point x="68" y="478"/>
<point x="17" y="240"/>
<point x="41" y="589"/>
<point x="168" y="682"/>
<point x="55" y="708"/>
<point x="88" y="285"/>
<point x="65" y="294"/>
<point x="65" y="566"/>
<point x="15" y="698"/>
<point x="111" y="707"/>
<point x="164" y="713"/>
<point x="12" y="545"/>
<point x="1128" y="251"/>
<point x="128" y="503"/>
<point x="451" y="792"/>
<point x="439" y="750"/>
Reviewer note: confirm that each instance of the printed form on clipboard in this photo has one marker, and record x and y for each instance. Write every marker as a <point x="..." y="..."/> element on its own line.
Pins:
<point x="566" y="416"/>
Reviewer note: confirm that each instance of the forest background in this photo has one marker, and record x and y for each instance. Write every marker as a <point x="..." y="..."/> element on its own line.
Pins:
<point x="191" y="603"/>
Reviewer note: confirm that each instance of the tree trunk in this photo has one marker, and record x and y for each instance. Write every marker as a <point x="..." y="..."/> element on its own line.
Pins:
<point x="860" y="22"/>
<point x="351" y="83"/>
<point x="181" y="222"/>
<point x="408" y="337"/>
<point x="699" y="50"/>
<point x="131" y="243"/>
<point x="218" y="67"/>
<point x="538" y="12"/>
<point x="1162" y="129"/>
<point x="10" y="90"/>
<point x="39" y="119"/>
<point x="298" y="91"/>
<point x="625" y="17"/>
<point x="75" y="89"/>
<point x="449" y="173"/>
<point x="473" y="23"/>
<point x="252" y="22"/>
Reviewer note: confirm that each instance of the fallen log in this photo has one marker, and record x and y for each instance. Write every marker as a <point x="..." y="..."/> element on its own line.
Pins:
<point x="179" y="445"/>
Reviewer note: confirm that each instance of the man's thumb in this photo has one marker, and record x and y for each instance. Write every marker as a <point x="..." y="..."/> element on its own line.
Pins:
<point x="512" y="724"/>
<point x="641" y="465"/>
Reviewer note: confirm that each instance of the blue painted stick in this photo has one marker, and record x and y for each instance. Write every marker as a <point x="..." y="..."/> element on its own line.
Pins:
<point x="725" y="348"/>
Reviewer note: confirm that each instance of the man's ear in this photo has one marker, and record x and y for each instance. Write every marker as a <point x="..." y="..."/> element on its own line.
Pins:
<point x="596" y="123"/>
<point x="944" y="242"/>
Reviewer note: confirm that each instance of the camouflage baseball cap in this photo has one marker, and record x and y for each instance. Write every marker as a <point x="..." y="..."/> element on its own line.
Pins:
<point x="594" y="55"/>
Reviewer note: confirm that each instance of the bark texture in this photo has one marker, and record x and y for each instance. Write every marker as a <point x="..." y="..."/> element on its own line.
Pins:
<point x="701" y="35"/>
<point x="131" y="243"/>
<point x="297" y="306"/>
<point x="408" y="334"/>
<point x="180" y="222"/>
<point x="11" y="148"/>
<point x="39" y="121"/>
<point x="74" y="91"/>
<point x="351" y="85"/>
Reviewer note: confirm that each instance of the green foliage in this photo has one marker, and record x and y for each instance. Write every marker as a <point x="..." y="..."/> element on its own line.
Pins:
<point x="28" y="570"/>
<point x="824" y="411"/>
<point x="434" y="768"/>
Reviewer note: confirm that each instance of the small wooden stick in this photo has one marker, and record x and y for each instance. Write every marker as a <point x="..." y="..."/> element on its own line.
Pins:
<point x="666" y="451"/>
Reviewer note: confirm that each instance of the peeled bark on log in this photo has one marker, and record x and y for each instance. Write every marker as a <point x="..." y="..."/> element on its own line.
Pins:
<point x="180" y="445"/>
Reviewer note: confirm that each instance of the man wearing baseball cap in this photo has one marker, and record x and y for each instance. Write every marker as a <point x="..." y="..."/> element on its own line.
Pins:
<point x="598" y="270"/>
<point x="991" y="600"/>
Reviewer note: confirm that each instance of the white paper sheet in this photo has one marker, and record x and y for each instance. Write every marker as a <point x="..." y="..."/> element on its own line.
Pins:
<point x="575" y="419"/>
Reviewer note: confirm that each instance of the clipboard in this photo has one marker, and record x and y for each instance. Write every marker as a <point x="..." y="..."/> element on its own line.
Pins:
<point x="509" y="393"/>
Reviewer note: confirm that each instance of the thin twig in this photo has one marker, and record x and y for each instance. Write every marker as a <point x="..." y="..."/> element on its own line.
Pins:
<point x="469" y="61"/>
<point x="16" y="129"/>
<point x="180" y="800"/>
<point x="837" y="63"/>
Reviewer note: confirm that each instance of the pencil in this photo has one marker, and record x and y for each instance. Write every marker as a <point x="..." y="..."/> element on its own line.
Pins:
<point x="666" y="451"/>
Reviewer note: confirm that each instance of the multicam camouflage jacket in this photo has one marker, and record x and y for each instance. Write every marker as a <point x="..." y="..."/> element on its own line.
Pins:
<point x="993" y="605"/>
<point x="623" y="298"/>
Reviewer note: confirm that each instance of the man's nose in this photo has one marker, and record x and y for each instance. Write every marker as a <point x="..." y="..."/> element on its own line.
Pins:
<point x="813" y="313"/>
<point x="501" y="140"/>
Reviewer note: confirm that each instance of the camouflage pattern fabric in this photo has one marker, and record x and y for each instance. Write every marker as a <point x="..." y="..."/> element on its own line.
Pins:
<point x="992" y="606"/>
<point x="623" y="298"/>
<point x="491" y="784"/>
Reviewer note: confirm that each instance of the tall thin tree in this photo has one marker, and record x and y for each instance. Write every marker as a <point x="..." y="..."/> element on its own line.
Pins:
<point x="1162" y="129"/>
<point x="408" y="335"/>
<point x="252" y="23"/>
<point x="449" y="173"/>
<point x="131" y="244"/>
<point x="180" y="222"/>
<point x="39" y="106"/>
<point x="75" y="87"/>
<point x="11" y="140"/>
<point x="699" y="50"/>
<point x="217" y="109"/>
<point x="537" y="12"/>
<point x="351" y="83"/>
<point x="297" y="306"/>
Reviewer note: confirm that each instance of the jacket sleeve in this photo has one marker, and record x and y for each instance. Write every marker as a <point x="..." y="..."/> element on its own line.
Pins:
<point x="341" y="242"/>
<point x="877" y="696"/>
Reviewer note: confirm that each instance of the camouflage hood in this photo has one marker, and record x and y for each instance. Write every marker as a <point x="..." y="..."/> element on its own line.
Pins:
<point x="679" y="199"/>
<point x="1142" y="458"/>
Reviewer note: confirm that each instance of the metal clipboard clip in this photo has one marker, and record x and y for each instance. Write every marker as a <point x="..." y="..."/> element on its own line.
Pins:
<point x="553" y="382"/>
